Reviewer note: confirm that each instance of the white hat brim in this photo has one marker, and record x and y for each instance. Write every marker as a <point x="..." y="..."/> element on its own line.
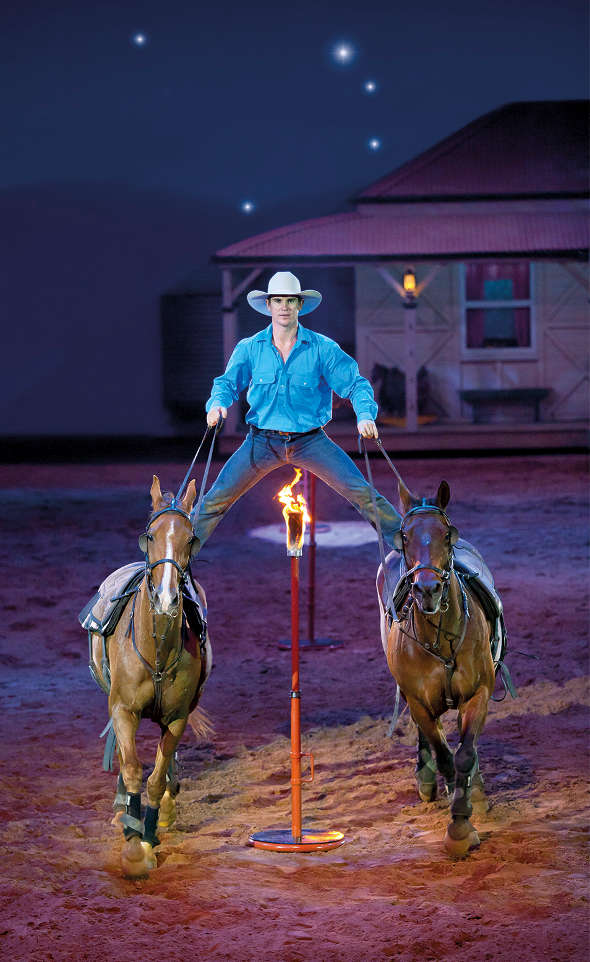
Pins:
<point x="258" y="299"/>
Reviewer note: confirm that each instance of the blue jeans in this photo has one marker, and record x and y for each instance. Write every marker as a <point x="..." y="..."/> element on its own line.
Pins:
<point x="259" y="455"/>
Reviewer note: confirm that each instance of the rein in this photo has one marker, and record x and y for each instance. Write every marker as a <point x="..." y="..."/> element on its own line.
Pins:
<point x="197" y="452"/>
<point x="389" y="606"/>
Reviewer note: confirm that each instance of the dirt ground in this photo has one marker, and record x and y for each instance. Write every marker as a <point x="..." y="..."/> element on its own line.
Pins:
<point x="390" y="892"/>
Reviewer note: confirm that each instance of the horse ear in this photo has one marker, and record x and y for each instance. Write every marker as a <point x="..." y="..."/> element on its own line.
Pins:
<point x="406" y="497"/>
<point x="156" y="493"/>
<point x="189" y="496"/>
<point x="443" y="495"/>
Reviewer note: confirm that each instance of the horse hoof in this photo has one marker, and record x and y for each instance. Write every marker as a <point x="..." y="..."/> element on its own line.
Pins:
<point x="167" y="815"/>
<point x="460" y="839"/>
<point x="137" y="858"/>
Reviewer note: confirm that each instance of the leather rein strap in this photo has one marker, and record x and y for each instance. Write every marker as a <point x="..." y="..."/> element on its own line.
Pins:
<point x="389" y="606"/>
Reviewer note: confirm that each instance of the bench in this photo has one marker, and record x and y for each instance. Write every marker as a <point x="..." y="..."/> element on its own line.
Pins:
<point x="486" y="397"/>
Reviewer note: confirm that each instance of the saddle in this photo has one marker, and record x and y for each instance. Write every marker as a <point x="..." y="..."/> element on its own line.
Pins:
<point x="102" y="613"/>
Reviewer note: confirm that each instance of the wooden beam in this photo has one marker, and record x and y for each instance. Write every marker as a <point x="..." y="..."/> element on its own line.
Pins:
<point x="241" y="287"/>
<point x="411" y="369"/>
<point x="390" y="281"/>
<point x="578" y="276"/>
<point x="230" y="335"/>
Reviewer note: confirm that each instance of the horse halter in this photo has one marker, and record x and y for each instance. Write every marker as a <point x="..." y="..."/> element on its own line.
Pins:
<point x="143" y="544"/>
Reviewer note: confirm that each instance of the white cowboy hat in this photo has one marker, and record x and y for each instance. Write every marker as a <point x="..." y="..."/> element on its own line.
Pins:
<point x="284" y="284"/>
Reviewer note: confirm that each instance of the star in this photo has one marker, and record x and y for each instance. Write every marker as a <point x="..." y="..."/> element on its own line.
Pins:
<point x="374" y="143"/>
<point x="370" y="87"/>
<point x="139" y="39"/>
<point x="343" y="53"/>
<point x="247" y="207"/>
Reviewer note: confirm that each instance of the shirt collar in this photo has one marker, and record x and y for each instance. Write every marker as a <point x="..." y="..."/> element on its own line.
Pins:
<point x="302" y="334"/>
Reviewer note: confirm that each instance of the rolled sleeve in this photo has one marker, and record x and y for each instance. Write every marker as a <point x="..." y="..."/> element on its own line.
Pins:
<point x="227" y="387"/>
<point x="342" y="374"/>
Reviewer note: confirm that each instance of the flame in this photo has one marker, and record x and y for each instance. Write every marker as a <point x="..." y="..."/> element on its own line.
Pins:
<point x="295" y="514"/>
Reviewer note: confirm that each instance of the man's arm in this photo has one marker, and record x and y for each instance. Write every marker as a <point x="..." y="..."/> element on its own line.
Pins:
<point x="342" y="374"/>
<point x="226" y="388"/>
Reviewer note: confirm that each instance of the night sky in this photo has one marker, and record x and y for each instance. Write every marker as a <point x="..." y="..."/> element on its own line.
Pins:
<point x="125" y="165"/>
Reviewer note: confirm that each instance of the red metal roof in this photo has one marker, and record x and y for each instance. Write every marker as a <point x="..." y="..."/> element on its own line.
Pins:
<point x="359" y="235"/>
<point x="521" y="149"/>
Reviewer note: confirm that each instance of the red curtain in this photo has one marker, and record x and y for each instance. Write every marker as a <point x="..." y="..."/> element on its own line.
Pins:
<point x="505" y="280"/>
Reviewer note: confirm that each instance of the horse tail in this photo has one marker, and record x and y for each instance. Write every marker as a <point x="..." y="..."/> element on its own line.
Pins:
<point x="201" y="724"/>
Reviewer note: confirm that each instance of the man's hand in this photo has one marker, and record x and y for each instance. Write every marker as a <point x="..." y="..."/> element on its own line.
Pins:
<point x="368" y="429"/>
<point x="213" y="415"/>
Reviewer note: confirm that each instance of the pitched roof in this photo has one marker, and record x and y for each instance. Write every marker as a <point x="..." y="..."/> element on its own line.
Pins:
<point x="361" y="236"/>
<point x="521" y="149"/>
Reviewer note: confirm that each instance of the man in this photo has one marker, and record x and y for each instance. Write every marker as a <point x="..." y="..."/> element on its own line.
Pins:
<point x="290" y="373"/>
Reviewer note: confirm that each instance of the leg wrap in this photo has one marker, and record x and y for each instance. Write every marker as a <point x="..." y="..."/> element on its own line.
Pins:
<point x="131" y="820"/>
<point x="425" y="767"/>
<point x="150" y="825"/>
<point x="465" y="761"/>
<point x="465" y="769"/>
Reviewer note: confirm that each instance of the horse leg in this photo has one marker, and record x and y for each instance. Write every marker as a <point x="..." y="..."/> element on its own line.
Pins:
<point x="432" y="732"/>
<point x="156" y="783"/>
<point x="168" y="804"/>
<point x="120" y="802"/>
<point x="478" y="792"/>
<point x="136" y="857"/>
<point x="461" y="835"/>
<point x="425" y="770"/>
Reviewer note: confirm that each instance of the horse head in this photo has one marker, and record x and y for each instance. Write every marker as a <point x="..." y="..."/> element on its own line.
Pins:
<point x="167" y="544"/>
<point x="426" y="538"/>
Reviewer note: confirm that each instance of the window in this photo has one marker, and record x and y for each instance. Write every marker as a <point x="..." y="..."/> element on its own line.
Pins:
<point x="497" y="305"/>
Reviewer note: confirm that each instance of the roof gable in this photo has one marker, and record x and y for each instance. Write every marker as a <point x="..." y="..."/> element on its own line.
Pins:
<point x="522" y="149"/>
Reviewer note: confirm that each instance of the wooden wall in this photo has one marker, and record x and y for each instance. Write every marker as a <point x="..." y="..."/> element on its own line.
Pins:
<point x="558" y="358"/>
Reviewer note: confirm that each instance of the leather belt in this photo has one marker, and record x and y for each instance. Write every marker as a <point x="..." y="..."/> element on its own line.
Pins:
<point x="282" y="435"/>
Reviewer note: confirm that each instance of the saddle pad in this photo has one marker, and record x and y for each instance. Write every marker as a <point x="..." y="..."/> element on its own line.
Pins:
<point x="102" y="612"/>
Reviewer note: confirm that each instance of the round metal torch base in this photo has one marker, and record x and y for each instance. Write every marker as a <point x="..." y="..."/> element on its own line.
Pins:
<point x="319" y="644"/>
<point x="281" y="840"/>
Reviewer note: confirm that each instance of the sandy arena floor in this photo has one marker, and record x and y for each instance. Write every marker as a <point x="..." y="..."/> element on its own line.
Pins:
<point x="390" y="892"/>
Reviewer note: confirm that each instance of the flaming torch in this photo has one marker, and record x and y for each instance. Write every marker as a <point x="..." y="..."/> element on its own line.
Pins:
<point x="296" y="516"/>
<point x="297" y="840"/>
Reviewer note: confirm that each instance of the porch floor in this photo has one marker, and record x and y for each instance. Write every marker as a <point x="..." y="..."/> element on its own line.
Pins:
<point x="458" y="436"/>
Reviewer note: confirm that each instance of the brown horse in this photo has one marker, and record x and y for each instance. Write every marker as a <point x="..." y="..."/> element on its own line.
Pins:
<point x="154" y="667"/>
<point x="439" y="653"/>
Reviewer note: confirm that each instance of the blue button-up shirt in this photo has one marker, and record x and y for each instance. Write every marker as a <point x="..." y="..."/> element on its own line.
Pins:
<point x="296" y="394"/>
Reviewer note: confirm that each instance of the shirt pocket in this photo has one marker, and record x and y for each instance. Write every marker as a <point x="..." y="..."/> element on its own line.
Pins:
<point x="304" y="383"/>
<point x="262" y="388"/>
<point x="263" y="378"/>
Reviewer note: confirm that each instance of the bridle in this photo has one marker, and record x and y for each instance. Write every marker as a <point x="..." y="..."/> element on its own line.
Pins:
<point x="158" y="672"/>
<point x="443" y="573"/>
<point x="146" y="537"/>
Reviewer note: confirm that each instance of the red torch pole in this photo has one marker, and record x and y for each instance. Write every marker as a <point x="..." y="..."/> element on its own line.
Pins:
<point x="311" y="563"/>
<point x="296" y="840"/>
<point x="295" y="706"/>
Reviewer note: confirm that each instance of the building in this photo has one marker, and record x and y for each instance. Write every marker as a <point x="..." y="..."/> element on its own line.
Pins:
<point x="493" y="224"/>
